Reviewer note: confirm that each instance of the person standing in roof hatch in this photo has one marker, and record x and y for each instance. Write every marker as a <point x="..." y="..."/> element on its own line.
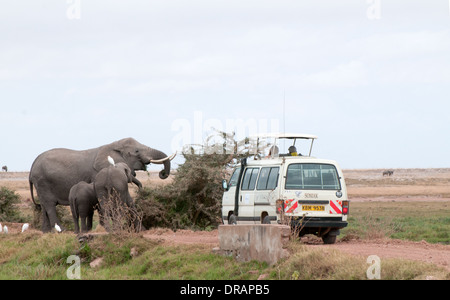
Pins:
<point x="293" y="151"/>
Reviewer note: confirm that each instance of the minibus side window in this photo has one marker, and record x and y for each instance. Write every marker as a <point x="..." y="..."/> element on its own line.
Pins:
<point x="234" y="177"/>
<point x="249" y="180"/>
<point x="268" y="178"/>
<point x="273" y="178"/>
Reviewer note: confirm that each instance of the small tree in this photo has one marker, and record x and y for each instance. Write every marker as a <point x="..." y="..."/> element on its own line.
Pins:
<point x="8" y="209"/>
<point x="193" y="199"/>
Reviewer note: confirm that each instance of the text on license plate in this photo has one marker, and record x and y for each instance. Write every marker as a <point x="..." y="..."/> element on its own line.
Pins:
<point x="313" y="207"/>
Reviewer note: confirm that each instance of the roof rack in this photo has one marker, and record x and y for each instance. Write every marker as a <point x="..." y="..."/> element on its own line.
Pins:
<point x="290" y="136"/>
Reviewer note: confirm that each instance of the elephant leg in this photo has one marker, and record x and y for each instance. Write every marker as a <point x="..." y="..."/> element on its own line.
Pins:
<point x="50" y="218"/>
<point x="45" y="222"/>
<point x="104" y="220"/>
<point x="101" y="217"/>
<point x="75" y="222"/>
<point x="53" y="217"/>
<point x="89" y="221"/>
<point x="75" y="218"/>
<point x="83" y="224"/>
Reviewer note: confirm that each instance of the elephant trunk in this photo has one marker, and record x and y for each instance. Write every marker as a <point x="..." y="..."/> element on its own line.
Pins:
<point x="166" y="171"/>
<point x="159" y="157"/>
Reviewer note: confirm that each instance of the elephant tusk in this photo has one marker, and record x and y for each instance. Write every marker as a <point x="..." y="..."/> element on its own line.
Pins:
<point x="158" y="161"/>
<point x="173" y="155"/>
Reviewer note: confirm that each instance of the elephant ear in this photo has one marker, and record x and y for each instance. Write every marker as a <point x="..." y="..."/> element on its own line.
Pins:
<point x="126" y="169"/>
<point x="128" y="173"/>
<point x="101" y="160"/>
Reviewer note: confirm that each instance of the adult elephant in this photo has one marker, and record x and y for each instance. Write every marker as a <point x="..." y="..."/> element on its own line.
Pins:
<point x="54" y="172"/>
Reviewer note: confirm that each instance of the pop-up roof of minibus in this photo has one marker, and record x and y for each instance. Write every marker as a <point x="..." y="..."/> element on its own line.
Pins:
<point x="289" y="136"/>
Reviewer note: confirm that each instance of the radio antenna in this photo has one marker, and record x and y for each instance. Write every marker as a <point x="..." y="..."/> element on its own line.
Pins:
<point x="284" y="111"/>
<point x="284" y="116"/>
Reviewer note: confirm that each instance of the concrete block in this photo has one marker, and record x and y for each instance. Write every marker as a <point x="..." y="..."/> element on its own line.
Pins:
<point x="261" y="242"/>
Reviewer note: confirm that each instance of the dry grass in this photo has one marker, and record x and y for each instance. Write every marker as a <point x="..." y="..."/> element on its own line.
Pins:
<point x="426" y="191"/>
<point x="363" y="183"/>
<point x="119" y="217"/>
<point x="426" y="183"/>
<point x="367" y="183"/>
<point x="312" y="263"/>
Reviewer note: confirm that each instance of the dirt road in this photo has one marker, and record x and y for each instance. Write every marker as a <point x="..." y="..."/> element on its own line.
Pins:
<point x="383" y="248"/>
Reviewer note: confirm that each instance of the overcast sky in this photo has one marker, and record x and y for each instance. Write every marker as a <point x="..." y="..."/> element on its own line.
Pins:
<point x="370" y="78"/>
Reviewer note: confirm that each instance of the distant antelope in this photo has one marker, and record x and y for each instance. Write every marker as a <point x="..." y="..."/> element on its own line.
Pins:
<point x="5" y="168"/>
<point x="388" y="173"/>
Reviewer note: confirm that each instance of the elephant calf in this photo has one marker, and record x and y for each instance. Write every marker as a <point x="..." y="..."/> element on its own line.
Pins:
<point x="83" y="201"/>
<point x="111" y="187"/>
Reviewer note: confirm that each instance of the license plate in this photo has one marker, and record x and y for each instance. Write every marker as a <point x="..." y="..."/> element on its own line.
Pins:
<point x="313" y="207"/>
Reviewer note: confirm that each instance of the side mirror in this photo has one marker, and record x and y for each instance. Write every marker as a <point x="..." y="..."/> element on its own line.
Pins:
<point x="225" y="185"/>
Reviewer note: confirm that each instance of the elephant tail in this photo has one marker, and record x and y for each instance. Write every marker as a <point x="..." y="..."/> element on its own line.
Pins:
<point x="74" y="207"/>
<point x="37" y="205"/>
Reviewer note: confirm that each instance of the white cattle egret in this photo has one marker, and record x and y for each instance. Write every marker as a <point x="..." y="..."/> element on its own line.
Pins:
<point x="111" y="161"/>
<point x="25" y="227"/>
<point x="57" y="228"/>
<point x="5" y="229"/>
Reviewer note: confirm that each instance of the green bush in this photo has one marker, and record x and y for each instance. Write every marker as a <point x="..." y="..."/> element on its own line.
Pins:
<point x="193" y="199"/>
<point x="8" y="208"/>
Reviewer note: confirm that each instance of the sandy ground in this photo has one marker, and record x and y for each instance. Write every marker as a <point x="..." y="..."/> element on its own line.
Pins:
<point x="363" y="185"/>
